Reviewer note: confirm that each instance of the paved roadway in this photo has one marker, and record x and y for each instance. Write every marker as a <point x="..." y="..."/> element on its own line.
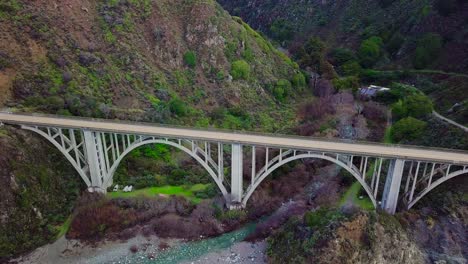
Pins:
<point x="303" y="143"/>
<point x="443" y="118"/>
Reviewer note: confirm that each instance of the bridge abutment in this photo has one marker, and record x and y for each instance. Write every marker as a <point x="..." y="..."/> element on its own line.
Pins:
<point x="392" y="186"/>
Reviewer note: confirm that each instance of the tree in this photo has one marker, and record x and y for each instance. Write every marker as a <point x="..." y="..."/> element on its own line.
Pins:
<point x="312" y="53"/>
<point x="428" y="49"/>
<point x="370" y="51"/>
<point x="240" y="70"/>
<point x="408" y="128"/>
<point x="418" y="105"/>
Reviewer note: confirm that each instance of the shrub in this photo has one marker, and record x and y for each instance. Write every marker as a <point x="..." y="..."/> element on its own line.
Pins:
<point x="428" y="49"/>
<point x="347" y="83"/>
<point x="178" y="107"/>
<point x="299" y="80"/>
<point x="370" y="51"/>
<point x="351" y="68"/>
<point x="93" y="221"/>
<point x="190" y="58"/>
<point x="408" y="128"/>
<point x="322" y="217"/>
<point x="281" y="90"/>
<point x="240" y="70"/>
<point x="209" y="192"/>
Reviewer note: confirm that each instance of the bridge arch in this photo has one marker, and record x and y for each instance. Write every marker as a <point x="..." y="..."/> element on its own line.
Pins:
<point x="66" y="153"/>
<point x="436" y="184"/>
<point x="347" y="167"/>
<point x="138" y="144"/>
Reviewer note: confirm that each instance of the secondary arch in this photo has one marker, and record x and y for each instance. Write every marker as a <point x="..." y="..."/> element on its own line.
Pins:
<point x="343" y="165"/>
<point x="436" y="184"/>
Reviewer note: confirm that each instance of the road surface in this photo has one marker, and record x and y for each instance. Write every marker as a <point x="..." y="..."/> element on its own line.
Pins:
<point x="274" y="141"/>
<point x="443" y="118"/>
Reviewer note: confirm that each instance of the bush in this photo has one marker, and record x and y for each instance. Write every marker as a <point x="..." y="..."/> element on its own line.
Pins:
<point x="178" y="107"/>
<point x="408" y="128"/>
<point x="351" y="68"/>
<point x="95" y="220"/>
<point x="282" y="89"/>
<point x="240" y="70"/>
<point x="209" y="192"/>
<point x="322" y="217"/>
<point x="370" y="51"/>
<point x="347" y="83"/>
<point x="299" y="80"/>
<point x="190" y="58"/>
<point x="428" y="49"/>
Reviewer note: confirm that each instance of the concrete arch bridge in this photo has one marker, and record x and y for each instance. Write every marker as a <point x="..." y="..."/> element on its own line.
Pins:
<point x="392" y="175"/>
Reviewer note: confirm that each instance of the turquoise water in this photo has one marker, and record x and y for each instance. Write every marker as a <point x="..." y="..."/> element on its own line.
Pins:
<point x="190" y="251"/>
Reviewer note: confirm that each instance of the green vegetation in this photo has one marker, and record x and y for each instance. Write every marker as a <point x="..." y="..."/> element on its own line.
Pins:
<point x="346" y="83"/>
<point x="370" y="51"/>
<point x="428" y="49"/>
<point x="299" y="80"/>
<point x="185" y="191"/>
<point x="408" y="128"/>
<point x="190" y="59"/>
<point x="178" y="107"/>
<point x="322" y="217"/>
<point x="417" y="105"/>
<point x="281" y="90"/>
<point x="281" y="30"/>
<point x="240" y="70"/>
<point x="352" y="195"/>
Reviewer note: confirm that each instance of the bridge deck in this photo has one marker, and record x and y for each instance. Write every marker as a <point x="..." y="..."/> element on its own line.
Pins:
<point x="354" y="148"/>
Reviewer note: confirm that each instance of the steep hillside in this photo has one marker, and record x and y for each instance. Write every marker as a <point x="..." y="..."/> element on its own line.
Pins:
<point x="179" y="62"/>
<point x="184" y="62"/>
<point x="402" y="25"/>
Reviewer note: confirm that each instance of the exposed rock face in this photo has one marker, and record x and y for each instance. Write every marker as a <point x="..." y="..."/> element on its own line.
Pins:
<point x="362" y="240"/>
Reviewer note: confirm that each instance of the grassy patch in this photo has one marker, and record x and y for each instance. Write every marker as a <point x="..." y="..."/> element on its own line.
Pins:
<point x="352" y="195"/>
<point x="185" y="191"/>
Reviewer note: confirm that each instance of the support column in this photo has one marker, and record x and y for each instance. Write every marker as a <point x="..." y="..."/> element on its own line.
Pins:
<point x="392" y="186"/>
<point x="236" y="175"/>
<point x="93" y="161"/>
